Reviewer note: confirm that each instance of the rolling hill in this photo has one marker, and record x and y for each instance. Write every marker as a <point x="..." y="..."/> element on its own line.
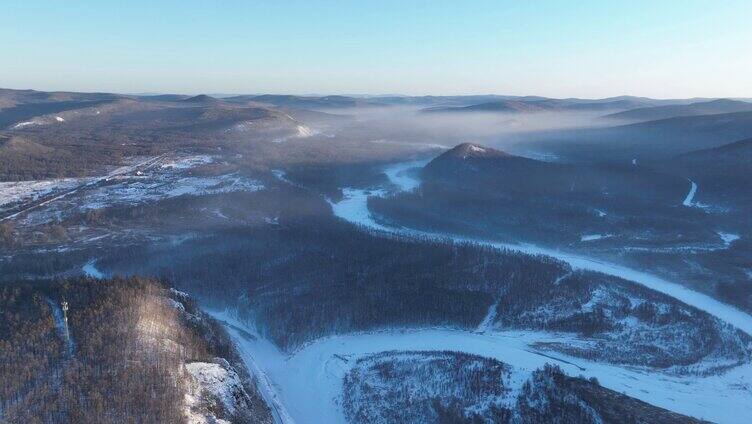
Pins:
<point x="669" y="111"/>
<point x="662" y="138"/>
<point x="531" y="104"/>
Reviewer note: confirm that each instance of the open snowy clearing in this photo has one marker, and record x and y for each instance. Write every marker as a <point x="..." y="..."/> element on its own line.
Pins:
<point x="149" y="180"/>
<point x="25" y="191"/>
<point x="140" y="191"/>
<point x="308" y="382"/>
<point x="90" y="270"/>
<point x="81" y="184"/>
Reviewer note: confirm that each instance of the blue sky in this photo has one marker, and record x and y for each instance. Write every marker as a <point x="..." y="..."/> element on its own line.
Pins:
<point x="555" y="48"/>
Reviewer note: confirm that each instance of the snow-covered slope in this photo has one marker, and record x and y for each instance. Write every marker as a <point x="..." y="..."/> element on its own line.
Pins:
<point x="214" y="386"/>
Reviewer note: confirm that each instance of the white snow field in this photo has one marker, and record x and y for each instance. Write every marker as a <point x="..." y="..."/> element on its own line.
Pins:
<point x="593" y="237"/>
<point x="167" y="186"/>
<point x="71" y="186"/>
<point x="90" y="270"/>
<point x="24" y="191"/>
<point x="153" y="179"/>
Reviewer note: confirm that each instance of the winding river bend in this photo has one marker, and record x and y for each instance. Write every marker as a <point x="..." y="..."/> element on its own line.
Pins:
<point x="306" y="385"/>
<point x="691" y="195"/>
<point x="354" y="208"/>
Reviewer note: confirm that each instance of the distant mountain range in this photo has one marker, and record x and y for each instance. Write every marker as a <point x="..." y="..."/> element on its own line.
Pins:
<point x="725" y="170"/>
<point x="693" y="109"/>
<point x="468" y="103"/>
<point x="663" y="128"/>
<point x="647" y="140"/>
<point x="463" y="103"/>
<point x="527" y="105"/>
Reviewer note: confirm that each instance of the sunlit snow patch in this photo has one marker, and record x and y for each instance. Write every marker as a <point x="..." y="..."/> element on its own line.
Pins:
<point x="593" y="237"/>
<point x="90" y="270"/>
<point x="25" y="124"/>
<point x="218" y="381"/>
<point x="214" y="389"/>
<point x="305" y="131"/>
<point x="188" y="162"/>
<point x="728" y="238"/>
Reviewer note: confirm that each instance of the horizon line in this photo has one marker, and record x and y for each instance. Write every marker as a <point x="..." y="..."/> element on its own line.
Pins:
<point x="368" y="95"/>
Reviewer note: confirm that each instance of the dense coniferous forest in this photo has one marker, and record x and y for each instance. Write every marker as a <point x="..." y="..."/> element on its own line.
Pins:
<point x="300" y="282"/>
<point x="551" y="396"/>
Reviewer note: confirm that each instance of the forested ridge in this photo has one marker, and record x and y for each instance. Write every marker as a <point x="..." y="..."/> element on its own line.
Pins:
<point x="131" y="344"/>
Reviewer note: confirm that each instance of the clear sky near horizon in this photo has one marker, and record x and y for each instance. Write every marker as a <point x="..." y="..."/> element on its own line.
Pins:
<point x="587" y="48"/>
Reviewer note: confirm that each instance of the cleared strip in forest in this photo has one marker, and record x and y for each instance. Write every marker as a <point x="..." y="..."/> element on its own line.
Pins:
<point x="61" y="325"/>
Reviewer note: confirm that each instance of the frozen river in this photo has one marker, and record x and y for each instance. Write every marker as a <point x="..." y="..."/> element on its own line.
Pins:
<point x="306" y="385"/>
